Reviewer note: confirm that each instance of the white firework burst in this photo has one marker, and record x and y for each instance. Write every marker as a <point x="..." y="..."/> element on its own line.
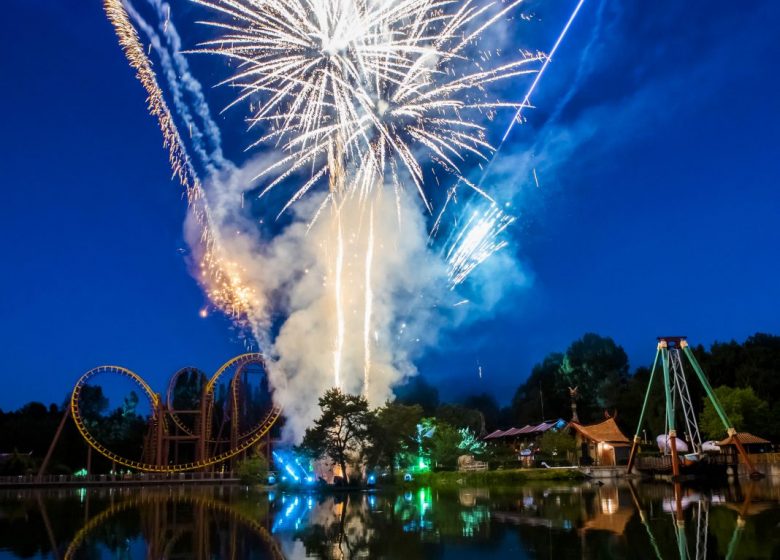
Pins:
<point x="364" y="92"/>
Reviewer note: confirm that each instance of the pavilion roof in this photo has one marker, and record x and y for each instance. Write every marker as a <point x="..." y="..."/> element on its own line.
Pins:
<point x="744" y="438"/>
<point x="606" y="432"/>
<point x="492" y="435"/>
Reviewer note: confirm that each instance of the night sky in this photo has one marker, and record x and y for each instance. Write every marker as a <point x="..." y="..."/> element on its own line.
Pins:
<point x="656" y="148"/>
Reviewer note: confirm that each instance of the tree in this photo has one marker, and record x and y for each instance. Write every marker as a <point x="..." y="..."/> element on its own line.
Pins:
<point x="599" y="368"/>
<point x="393" y="433"/>
<point x="470" y="443"/>
<point x="252" y="470"/>
<point x="442" y="446"/>
<point x="539" y="397"/>
<point x="487" y="405"/>
<point x="342" y="431"/>
<point x="92" y="403"/>
<point x="746" y="410"/>
<point x="459" y="416"/>
<point x="557" y="444"/>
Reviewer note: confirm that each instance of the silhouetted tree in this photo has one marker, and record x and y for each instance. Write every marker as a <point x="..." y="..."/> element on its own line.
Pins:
<point x="459" y="416"/>
<point x="540" y="396"/>
<point x="487" y="405"/>
<point x="342" y="430"/>
<point x="392" y="436"/>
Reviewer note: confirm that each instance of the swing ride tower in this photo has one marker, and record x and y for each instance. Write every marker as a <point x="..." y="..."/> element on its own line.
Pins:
<point x="671" y="352"/>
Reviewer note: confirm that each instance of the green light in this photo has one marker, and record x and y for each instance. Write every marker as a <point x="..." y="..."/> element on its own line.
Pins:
<point x="81" y="472"/>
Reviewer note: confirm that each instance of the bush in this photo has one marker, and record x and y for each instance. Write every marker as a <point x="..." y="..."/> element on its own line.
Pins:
<point x="252" y="470"/>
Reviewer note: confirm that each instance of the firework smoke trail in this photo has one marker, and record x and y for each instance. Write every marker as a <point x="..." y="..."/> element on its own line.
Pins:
<point x="368" y="304"/>
<point x="338" y="293"/>
<point x="224" y="280"/>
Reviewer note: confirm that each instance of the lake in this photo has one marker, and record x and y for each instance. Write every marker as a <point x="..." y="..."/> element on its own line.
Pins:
<point x="581" y="520"/>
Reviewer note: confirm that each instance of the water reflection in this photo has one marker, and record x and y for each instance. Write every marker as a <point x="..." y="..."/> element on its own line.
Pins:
<point x="619" y="520"/>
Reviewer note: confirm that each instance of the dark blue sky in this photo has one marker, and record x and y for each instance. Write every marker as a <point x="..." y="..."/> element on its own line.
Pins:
<point x="656" y="212"/>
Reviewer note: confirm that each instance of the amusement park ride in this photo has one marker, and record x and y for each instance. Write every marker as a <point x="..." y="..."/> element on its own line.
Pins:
<point x="678" y="401"/>
<point x="212" y="429"/>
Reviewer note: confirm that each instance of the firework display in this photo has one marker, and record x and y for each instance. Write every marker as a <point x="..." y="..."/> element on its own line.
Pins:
<point x="358" y="104"/>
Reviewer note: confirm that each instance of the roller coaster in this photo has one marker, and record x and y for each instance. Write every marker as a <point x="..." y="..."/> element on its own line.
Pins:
<point x="212" y="429"/>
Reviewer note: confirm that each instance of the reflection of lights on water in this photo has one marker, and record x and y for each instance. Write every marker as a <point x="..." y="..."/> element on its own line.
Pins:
<point x="608" y="506"/>
<point x="372" y="501"/>
<point x="472" y="519"/>
<point x="424" y="499"/>
<point x="82" y="494"/>
<point x="291" y="508"/>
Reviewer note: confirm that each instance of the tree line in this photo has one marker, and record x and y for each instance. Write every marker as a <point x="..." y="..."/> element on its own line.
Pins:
<point x="746" y="377"/>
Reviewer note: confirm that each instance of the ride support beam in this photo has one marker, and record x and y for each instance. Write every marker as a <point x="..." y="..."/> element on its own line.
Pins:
<point x="203" y="432"/>
<point x="159" y="459"/>
<point x="730" y="429"/>
<point x="671" y="439"/>
<point x="637" y="439"/>
<point x="54" y="441"/>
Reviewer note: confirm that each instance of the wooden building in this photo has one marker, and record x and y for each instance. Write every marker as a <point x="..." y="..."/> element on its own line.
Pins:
<point x="751" y="443"/>
<point x="600" y="444"/>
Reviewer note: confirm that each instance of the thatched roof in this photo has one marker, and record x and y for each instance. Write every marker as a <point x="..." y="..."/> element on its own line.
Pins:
<point x="605" y="432"/>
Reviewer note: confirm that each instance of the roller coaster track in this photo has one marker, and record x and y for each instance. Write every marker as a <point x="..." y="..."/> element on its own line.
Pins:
<point x="243" y="442"/>
<point x="190" y="499"/>
<point x="169" y="396"/>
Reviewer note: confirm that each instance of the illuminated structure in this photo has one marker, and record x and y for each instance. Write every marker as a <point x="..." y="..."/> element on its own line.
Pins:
<point x="678" y="400"/>
<point x="212" y="430"/>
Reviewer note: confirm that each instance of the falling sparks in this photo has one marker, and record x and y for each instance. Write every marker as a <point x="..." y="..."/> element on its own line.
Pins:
<point x="368" y="304"/>
<point x="228" y="290"/>
<point x="476" y="241"/>
<point x="372" y="90"/>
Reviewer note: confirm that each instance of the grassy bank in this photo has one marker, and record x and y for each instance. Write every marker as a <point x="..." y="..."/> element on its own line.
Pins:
<point x="508" y="477"/>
